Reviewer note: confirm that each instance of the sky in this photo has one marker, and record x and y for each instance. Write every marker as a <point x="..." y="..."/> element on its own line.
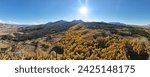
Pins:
<point x="43" y="11"/>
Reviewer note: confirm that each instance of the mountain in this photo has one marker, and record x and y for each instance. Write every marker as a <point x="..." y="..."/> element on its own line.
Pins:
<point x="146" y="26"/>
<point x="118" y="23"/>
<point x="36" y="31"/>
<point x="60" y="22"/>
<point x="76" y="40"/>
<point x="57" y="22"/>
<point x="77" y="21"/>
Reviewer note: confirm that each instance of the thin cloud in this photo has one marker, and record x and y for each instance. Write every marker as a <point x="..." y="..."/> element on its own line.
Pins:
<point x="8" y="22"/>
<point x="1" y="21"/>
<point x="23" y="23"/>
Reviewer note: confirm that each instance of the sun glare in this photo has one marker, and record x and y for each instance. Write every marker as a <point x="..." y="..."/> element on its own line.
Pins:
<point x="83" y="10"/>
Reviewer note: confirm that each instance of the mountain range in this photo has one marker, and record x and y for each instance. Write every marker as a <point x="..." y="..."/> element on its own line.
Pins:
<point x="74" y="40"/>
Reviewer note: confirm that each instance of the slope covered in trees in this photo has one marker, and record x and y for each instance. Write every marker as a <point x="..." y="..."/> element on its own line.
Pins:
<point x="83" y="41"/>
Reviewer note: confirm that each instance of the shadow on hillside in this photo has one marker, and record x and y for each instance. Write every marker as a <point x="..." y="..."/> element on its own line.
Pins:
<point x="136" y="56"/>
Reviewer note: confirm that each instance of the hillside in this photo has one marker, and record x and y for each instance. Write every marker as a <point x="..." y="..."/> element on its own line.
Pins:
<point x="7" y="29"/>
<point x="77" y="40"/>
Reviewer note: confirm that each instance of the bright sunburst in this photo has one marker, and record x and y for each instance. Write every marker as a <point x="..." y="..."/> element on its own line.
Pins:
<point x="83" y="10"/>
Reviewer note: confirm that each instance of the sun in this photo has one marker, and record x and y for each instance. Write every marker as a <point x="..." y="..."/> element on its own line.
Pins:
<point x="83" y="10"/>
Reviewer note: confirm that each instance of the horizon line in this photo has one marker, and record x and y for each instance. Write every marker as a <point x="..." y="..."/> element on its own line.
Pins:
<point x="45" y="22"/>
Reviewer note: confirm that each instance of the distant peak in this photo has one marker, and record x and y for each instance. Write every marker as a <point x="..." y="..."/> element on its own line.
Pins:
<point x="60" y="21"/>
<point x="117" y="23"/>
<point x="78" y="21"/>
<point x="57" y="22"/>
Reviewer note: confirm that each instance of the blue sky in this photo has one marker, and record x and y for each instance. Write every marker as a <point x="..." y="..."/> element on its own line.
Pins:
<point x="42" y="11"/>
